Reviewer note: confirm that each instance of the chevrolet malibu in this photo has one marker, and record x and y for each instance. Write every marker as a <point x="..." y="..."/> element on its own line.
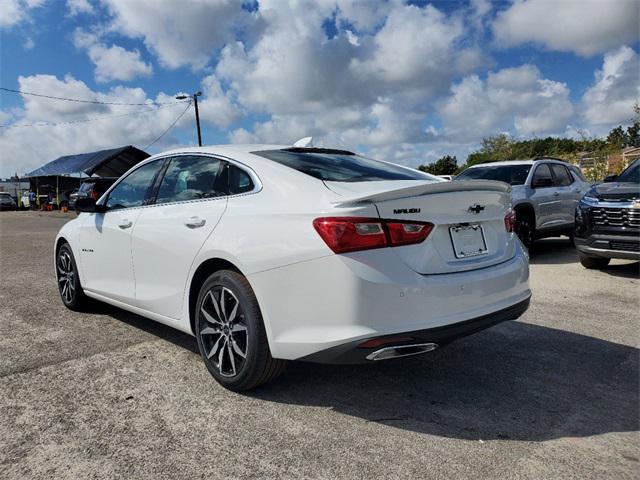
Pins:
<point x="274" y="253"/>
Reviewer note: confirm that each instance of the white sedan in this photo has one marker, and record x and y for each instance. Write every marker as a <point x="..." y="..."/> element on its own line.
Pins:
<point x="273" y="253"/>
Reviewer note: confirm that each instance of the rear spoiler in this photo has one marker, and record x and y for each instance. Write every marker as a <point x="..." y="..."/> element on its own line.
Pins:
<point x="426" y="189"/>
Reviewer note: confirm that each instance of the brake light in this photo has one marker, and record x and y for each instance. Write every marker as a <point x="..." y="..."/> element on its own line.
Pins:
<point x="94" y="194"/>
<point x="510" y="221"/>
<point x="351" y="234"/>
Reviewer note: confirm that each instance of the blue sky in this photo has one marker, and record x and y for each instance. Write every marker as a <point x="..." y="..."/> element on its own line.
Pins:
<point x="407" y="82"/>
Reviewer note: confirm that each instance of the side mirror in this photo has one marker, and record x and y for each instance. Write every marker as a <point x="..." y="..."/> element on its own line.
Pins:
<point x="541" y="182"/>
<point x="610" y="178"/>
<point x="89" y="205"/>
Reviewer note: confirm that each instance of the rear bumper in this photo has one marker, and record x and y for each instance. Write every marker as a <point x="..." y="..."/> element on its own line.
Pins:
<point x="341" y="300"/>
<point x="350" y="353"/>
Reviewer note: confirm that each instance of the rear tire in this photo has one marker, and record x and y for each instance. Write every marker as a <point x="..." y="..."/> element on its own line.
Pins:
<point x="593" y="262"/>
<point x="231" y="335"/>
<point x="68" y="280"/>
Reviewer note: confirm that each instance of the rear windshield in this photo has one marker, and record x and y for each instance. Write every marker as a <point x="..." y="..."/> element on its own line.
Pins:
<point x="340" y="165"/>
<point x="511" y="174"/>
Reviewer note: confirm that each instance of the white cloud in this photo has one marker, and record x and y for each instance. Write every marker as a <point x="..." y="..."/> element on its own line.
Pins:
<point x="179" y="33"/>
<point x="585" y="27"/>
<point x="76" y="7"/>
<point x="26" y="148"/>
<point x="114" y="62"/>
<point x="13" y="12"/>
<point x="358" y="88"/>
<point x="28" y="43"/>
<point x="512" y="99"/>
<point x="217" y="106"/>
<point x="611" y="98"/>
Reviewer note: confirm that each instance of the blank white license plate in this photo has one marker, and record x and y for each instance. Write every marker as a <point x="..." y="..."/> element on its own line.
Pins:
<point x="468" y="241"/>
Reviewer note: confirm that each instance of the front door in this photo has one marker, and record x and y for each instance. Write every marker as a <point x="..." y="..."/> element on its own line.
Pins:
<point x="190" y="202"/>
<point x="545" y="197"/>
<point x="105" y="238"/>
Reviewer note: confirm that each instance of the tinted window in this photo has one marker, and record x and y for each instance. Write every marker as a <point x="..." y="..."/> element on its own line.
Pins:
<point x="239" y="180"/>
<point x="577" y="173"/>
<point x="563" y="178"/>
<point x="133" y="190"/>
<point x="542" y="174"/>
<point x="631" y="174"/>
<point x="190" y="178"/>
<point x="340" y="166"/>
<point x="511" y="174"/>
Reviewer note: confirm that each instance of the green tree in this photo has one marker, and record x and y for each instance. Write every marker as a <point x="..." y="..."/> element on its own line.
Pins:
<point x="617" y="138"/>
<point x="446" y="165"/>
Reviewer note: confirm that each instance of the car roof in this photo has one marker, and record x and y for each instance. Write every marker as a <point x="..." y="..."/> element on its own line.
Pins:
<point x="522" y="162"/>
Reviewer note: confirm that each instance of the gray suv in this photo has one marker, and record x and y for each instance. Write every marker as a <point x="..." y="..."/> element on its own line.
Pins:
<point x="545" y="193"/>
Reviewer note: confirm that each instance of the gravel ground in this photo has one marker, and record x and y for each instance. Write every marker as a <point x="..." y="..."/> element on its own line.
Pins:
<point x="113" y="395"/>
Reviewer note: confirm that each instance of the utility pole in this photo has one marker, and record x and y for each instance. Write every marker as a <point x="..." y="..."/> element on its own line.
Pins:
<point x="195" y="104"/>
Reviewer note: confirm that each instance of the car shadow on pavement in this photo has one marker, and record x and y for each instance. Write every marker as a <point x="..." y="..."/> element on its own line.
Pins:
<point x="164" y="332"/>
<point x="516" y="381"/>
<point x="557" y="251"/>
<point x="553" y="251"/>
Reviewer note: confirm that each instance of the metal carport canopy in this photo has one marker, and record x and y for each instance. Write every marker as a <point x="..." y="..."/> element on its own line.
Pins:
<point x="104" y="163"/>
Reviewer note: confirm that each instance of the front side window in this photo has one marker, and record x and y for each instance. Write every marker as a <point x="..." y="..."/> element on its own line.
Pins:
<point x="134" y="189"/>
<point x="542" y="176"/>
<point x="563" y="177"/>
<point x="340" y="165"/>
<point x="191" y="178"/>
<point x="511" y="174"/>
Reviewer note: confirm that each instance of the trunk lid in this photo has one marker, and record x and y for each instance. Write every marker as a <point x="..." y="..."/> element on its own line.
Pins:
<point x="468" y="217"/>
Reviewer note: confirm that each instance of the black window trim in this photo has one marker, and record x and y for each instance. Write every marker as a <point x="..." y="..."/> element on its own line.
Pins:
<point x="155" y="185"/>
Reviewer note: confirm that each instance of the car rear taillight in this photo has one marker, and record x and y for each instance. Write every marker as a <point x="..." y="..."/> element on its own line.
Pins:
<point x="94" y="194"/>
<point x="351" y="234"/>
<point x="510" y="220"/>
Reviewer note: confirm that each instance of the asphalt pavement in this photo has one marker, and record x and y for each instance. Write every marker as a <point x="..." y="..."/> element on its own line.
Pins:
<point x="109" y="394"/>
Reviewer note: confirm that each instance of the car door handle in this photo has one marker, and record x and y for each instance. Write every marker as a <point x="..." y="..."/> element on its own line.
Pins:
<point x="195" y="222"/>
<point x="125" y="224"/>
<point x="556" y="194"/>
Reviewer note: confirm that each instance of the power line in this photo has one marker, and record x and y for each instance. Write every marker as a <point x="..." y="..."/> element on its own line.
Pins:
<point x="73" y="122"/>
<point x="170" y="126"/>
<point x="95" y="102"/>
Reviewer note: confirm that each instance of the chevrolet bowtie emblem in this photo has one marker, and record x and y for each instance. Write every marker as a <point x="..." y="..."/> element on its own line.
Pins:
<point x="475" y="208"/>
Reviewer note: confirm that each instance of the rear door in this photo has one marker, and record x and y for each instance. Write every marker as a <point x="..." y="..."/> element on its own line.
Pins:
<point x="189" y="202"/>
<point x="564" y="183"/>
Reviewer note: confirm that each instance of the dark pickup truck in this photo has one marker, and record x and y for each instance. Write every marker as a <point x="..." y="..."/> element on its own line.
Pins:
<point x="607" y="223"/>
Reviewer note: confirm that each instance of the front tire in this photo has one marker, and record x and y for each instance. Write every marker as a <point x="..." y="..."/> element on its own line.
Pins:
<point x="69" y="286"/>
<point x="231" y="335"/>
<point x="525" y="229"/>
<point x="593" y="262"/>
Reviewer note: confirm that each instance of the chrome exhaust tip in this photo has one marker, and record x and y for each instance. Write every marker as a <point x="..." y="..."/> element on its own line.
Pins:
<point x="401" y="351"/>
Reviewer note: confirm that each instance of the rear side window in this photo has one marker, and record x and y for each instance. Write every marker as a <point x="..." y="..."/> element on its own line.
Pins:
<point x="86" y="187"/>
<point x="135" y="188"/>
<point x="191" y="178"/>
<point x="239" y="181"/>
<point x="340" y="166"/>
<point x="563" y="177"/>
